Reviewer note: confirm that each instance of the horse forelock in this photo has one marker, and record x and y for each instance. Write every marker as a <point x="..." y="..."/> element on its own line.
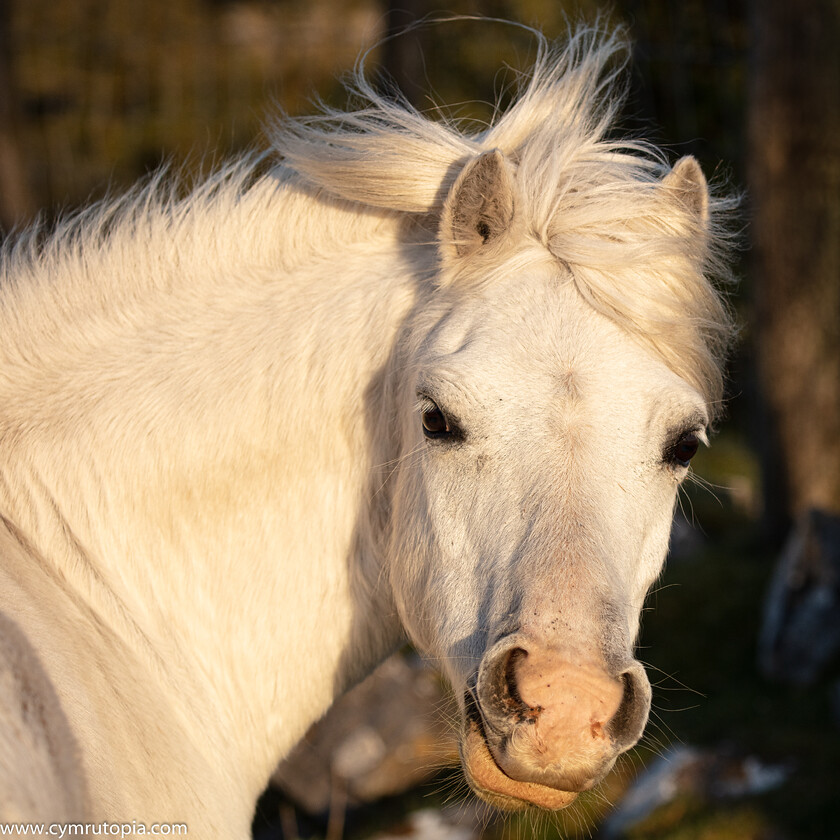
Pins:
<point x="594" y="201"/>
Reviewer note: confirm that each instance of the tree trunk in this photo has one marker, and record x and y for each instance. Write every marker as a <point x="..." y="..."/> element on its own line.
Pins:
<point x="795" y="192"/>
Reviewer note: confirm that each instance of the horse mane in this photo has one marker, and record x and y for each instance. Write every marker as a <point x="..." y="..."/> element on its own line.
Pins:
<point x="594" y="200"/>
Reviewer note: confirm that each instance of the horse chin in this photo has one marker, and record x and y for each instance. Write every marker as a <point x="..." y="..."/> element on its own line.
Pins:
<point x="494" y="786"/>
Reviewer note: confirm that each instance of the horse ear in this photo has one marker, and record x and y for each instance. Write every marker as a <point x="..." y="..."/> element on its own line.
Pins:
<point x="479" y="207"/>
<point x="687" y="183"/>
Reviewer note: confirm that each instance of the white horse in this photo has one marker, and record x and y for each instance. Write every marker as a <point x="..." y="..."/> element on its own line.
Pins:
<point x="411" y="381"/>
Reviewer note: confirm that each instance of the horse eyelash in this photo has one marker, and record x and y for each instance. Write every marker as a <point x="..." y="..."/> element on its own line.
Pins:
<point x="424" y="403"/>
<point x="693" y="426"/>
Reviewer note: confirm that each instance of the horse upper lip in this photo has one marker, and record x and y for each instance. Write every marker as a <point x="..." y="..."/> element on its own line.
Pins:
<point x="504" y="791"/>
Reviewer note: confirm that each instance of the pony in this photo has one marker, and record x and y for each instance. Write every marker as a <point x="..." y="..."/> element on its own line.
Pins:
<point x="399" y="380"/>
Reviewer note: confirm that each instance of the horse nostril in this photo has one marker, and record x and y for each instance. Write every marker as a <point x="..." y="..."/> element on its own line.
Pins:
<point x="510" y="674"/>
<point x="621" y="719"/>
<point x="516" y="706"/>
<point x="626" y="725"/>
<point x="498" y="691"/>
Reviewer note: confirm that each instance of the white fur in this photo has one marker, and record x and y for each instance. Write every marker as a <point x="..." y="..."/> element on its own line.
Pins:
<point x="217" y="509"/>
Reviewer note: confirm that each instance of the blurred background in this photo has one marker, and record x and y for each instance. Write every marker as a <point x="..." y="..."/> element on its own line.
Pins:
<point x="742" y="639"/>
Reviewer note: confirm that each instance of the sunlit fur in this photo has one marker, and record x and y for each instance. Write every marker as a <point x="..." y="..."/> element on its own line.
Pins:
<point x="217" y="508"/>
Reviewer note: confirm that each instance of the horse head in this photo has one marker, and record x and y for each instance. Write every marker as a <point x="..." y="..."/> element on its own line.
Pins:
<point x="541" y="447"/>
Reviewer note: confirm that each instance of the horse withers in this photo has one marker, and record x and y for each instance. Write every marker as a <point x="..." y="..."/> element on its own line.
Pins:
<point x="408" y="382"/>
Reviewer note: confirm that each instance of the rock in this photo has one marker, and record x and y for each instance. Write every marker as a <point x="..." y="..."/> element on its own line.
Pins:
<point x="675" y="772"/>
<point x="689" y="773"/>
<point x="747" y="776"/>
<point x="430" y="824"/>
<point x="385" y="736"/>
<point x="800" y="634"/>
<point x="359" y="754"/>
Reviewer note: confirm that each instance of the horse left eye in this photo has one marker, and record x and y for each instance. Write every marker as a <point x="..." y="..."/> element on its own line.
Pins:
<point x="435" y="424"/>
<point x="684" y="449"/>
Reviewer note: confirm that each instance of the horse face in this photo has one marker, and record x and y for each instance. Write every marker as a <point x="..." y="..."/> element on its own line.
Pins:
<point x="542" y="452"/>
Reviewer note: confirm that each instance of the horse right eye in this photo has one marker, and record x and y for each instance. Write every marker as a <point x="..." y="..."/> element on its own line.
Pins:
<point x="683" y="450"/>
<point x="435" y="424"/>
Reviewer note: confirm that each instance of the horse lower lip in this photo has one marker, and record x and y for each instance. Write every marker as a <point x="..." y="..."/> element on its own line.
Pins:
<point x="492" y="784"/>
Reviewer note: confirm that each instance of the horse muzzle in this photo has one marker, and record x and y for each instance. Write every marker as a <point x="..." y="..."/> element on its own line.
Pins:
<point x="542" y="724"/>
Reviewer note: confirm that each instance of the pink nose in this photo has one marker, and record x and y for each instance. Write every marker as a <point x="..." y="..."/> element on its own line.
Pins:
<point x="576" y="702"/>
<point x="573" y="704"/>
<point x="555" y="717"/>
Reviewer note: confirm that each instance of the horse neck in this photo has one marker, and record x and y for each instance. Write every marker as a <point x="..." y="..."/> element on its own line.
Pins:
<point x="192" y="453"/>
